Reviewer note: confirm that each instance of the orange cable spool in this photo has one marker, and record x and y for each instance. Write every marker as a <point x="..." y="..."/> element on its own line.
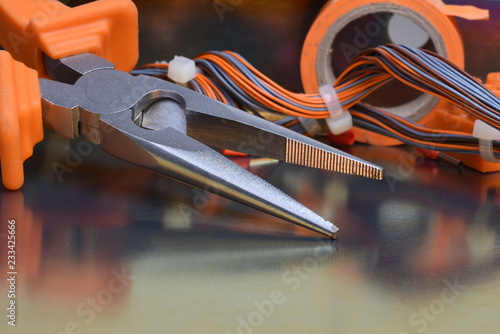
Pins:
<point x="430" y="15"/>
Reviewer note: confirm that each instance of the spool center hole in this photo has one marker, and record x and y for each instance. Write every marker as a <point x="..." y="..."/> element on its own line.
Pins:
<point x="373" y="30"/>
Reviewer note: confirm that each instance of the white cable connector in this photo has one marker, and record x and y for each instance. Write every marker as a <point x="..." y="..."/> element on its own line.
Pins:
<point x="181" y="69"/>
<point x="486" y="135"/>
<point x="340" y="120"/>
<point x="311" y="125"/>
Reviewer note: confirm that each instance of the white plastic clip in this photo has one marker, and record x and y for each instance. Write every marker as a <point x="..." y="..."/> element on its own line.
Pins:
<point x="311" y="125"/>
<point x="181" y="69"/>
<point x="340" y="120"/>
<point x="486" y="135"/>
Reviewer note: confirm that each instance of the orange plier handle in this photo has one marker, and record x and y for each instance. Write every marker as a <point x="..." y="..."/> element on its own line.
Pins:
<point x="28" y="30"/>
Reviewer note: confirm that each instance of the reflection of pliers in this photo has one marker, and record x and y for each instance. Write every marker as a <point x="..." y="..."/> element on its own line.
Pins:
<point x="151" y="122"/>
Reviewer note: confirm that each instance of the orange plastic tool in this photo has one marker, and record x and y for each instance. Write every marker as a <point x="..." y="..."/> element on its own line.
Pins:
<point x="107" y="28"/>
<point x="31" y="28"/>
<point x="20" y="118"/>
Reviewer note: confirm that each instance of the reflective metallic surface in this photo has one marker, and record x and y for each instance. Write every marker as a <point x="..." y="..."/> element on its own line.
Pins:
<point x="114" y="248"/>
<point x="107" y="247"/>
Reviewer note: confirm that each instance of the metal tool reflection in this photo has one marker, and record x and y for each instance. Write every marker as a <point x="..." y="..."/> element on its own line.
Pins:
<point x="407" y="244"/>
<point x="62" y="262"/>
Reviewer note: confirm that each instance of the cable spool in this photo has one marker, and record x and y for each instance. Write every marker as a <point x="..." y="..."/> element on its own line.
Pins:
<point x="366" y="24"/>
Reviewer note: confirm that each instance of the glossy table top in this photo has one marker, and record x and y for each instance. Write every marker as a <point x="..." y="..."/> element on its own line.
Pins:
<point x="107" y="247"/>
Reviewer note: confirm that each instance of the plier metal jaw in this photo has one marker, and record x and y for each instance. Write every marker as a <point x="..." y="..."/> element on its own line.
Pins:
<point x="144" y="120"/>
<point x="170" y="129"/>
